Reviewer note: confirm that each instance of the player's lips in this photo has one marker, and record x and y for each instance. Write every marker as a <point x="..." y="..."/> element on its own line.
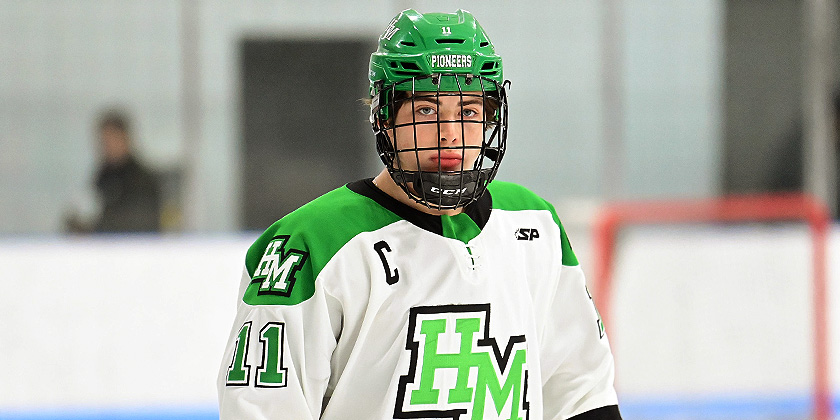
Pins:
<point x="447" y="161"/>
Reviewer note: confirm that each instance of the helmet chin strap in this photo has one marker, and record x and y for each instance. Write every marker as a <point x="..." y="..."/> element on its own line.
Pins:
<point x="441" y="190"/>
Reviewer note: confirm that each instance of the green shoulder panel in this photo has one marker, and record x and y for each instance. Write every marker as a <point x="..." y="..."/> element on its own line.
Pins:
<point x="513" y="197"/>
<point x="286" y="259"/>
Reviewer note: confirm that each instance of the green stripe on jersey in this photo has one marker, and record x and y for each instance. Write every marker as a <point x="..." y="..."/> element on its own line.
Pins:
<point x="286" y="259"/>
<point x="460" y="227"/>
<point x="513" y="197"/>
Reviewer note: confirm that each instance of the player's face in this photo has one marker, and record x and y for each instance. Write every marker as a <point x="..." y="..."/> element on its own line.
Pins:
<point x="448" y="131"/>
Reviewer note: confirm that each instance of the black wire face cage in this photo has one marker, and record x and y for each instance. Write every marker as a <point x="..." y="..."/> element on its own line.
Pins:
<point x="441" y="189"/>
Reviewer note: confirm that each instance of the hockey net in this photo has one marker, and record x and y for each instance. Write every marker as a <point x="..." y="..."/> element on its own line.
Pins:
<point x="705" y="337"/>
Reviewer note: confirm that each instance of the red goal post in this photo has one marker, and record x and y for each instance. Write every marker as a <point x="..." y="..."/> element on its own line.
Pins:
<point x="753" y="208"/>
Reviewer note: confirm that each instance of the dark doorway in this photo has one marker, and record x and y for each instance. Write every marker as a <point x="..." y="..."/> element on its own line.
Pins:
<point x="763" y="82"/>
<point x="305" y="132"/>
<point x="763" y="108"/>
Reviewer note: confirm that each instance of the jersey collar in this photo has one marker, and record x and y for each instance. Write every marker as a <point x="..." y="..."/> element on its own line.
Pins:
<point x="478" y="211"/>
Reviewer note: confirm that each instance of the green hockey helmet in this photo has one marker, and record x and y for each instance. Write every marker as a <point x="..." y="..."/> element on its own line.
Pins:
<point x="416" y="45"/>
<point x="437" y="54"/>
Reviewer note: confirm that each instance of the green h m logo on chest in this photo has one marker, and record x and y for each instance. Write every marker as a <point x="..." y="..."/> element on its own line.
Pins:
<point x="457" y="369"/>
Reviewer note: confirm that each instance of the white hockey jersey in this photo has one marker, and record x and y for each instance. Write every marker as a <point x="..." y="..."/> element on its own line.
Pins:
<point x="358" y="307"/>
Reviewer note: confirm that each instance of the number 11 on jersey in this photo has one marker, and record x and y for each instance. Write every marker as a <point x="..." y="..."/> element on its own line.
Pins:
<point x="270" y="372"/>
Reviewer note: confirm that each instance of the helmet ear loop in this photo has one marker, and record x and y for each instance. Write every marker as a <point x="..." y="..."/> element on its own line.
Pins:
<point x="393" y="107"/>
<point x="498" y="121"/>
<point x="387" y="152"/>
<point x="499" y="133"/>
<point x="382" y="125"/>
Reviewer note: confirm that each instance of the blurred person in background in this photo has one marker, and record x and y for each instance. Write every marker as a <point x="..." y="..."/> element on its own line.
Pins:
<point x="128" y="192"/>
<point x="788" y="171"/>
<point x="429" y="290"/>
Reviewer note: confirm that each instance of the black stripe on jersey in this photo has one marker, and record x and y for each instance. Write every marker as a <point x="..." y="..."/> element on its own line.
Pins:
<point x="479" y="211"/>
<point x="609" y="412"/>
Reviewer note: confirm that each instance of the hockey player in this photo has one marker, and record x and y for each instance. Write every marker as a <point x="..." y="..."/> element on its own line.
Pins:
<point x="430" y="291"/>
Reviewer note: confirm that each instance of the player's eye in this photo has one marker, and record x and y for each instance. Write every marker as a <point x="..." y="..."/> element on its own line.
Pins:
<point x="425" y="110"/>
<point x="469" y="113"/>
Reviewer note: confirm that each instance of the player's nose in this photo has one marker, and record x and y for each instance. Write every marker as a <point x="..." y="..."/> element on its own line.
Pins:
<point x="450" y="131"/>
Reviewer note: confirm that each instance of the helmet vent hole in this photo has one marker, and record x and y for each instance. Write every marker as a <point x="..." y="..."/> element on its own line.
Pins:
<point x="408" y="43"/>
<point x="488" y="66"/>
<point x="449" y="41"/>
<point x="410" y="66"/>
<point x="484" y="44"/>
